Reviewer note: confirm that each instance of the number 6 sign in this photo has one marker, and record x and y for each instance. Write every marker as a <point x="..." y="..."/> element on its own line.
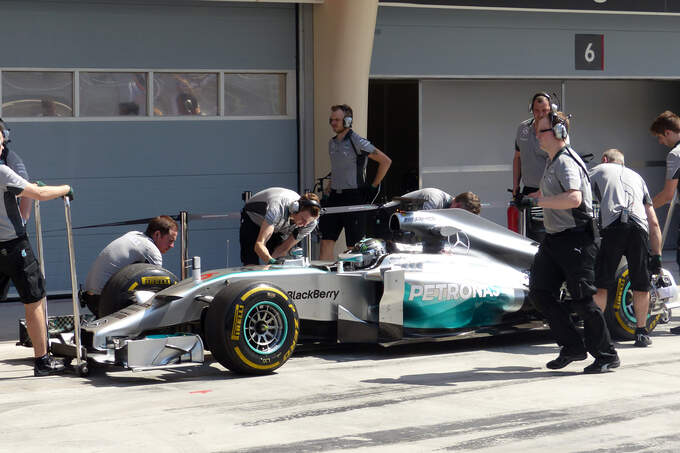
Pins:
<point x="589" y="52"/>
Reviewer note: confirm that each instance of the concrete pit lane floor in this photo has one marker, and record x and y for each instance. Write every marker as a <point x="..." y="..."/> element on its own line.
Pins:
<point x="481" y="395"/>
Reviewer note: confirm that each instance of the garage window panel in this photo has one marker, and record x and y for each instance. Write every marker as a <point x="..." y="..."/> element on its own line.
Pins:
<point x="253" y="94"/>
<point x="112" y="93"/>
<point x="180" y="94"/>
<point x="27" y="94"/>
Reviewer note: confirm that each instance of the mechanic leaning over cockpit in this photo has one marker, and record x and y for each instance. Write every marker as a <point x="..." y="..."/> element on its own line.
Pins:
<point x="568" y="252"/>
<point x="438" y="199"/>
<point x="276" y="219"/>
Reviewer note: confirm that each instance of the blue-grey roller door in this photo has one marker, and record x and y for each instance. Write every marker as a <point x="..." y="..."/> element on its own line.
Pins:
<point x="130" y="169"/>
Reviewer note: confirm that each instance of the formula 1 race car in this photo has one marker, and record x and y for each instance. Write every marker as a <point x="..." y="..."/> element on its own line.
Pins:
<point x="440" y="274"/>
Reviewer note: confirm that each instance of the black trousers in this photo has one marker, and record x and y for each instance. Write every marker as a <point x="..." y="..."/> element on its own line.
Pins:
<point x="570" y="257"/>
<point x="248" y="236"/>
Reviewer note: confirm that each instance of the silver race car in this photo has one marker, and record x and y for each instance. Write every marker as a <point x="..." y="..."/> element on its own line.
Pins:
<point x="439" y="274"/>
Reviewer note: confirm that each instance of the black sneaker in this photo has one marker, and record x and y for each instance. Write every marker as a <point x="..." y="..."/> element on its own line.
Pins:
<point x="46" y="365"/>
<point x="602" y="365"/>
<point x="565" y="359"/>
<point x="642" y="339"/>
<point x="675" y="330"/>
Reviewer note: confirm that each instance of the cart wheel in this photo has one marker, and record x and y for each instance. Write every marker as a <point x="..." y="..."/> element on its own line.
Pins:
<point x="82" y="370"/>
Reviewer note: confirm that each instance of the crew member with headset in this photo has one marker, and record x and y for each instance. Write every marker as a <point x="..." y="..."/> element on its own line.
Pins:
<point x="529" y="159"/>
<point x="273" y="221"/>
<point x="348" y="152"/>
<point x="629" y="227"/>
<point x="13" y="161"/>
<point x="18" y="262"/>
<point x="568" y="252"/>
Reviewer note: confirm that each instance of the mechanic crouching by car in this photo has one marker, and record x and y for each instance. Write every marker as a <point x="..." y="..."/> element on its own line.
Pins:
<point x="568" y="252"/>
<point x="132" y="247"/>
<point x="18" y="262"/>
<point x="275" y="219"/>
<point x="629" y="227"/>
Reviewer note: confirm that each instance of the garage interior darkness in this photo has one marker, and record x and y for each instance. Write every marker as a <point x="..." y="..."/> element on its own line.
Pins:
<point x="393" y="128"/>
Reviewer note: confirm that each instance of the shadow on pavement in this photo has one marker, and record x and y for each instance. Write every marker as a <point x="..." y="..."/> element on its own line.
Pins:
<point x="479" y="374"/>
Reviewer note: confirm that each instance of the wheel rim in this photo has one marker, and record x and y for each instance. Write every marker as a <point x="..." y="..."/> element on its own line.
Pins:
<point x="265" y="326"/>
<point x="627" y="305"/>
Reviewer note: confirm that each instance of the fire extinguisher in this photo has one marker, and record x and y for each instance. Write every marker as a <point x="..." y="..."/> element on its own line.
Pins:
<point x="513" y="216"/>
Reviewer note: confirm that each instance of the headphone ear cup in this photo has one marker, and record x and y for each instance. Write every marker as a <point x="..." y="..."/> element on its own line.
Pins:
<point x="347" y="121"/>
<point x="294" y="207"/>
<point x="560" y="131"/>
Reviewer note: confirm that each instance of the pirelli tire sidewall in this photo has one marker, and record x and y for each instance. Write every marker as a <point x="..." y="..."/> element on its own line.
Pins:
<point x="119" y="289"/>
<point x="619" y="314"/>
<point x="252" y="327"/>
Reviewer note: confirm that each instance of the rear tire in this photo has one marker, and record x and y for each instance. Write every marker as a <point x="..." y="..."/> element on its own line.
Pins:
<point x="118" y="291"/>
<point x="619" y="314"/>
<point x="252" y="327"/>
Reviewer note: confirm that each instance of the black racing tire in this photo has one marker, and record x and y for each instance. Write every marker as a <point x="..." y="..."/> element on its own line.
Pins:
<point x="619" y="314"/>
<point x="252" y="327"/>
<point x="118" y="291"/>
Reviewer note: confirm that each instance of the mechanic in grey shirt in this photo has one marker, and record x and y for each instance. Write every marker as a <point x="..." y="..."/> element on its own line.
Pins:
<point x="628" y="227"/>
<point x="275" y="219"/>
<point x="18" y="262"/>
<point x="568" y="253"/>
<point x="666" y="128"/>
<point x="13" y="161"/>
<point x="132" y="247"/>
<point x="348" y="153"/>
<point x="438" y="199"/>
<point x="529" y="159"/>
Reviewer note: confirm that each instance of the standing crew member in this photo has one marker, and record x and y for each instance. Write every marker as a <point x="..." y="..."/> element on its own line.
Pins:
<point x="348" y="152"/>
<point x="18" y="262"/>
<point x="568" y="253"/>
<point x="629" y="227"/>
<point x="14" y="162"/>
<point x="275" y="219"/>
<point x="666" y="128"/>
<point x="132" y="247"/>
<point x="438" y="199"/>
<point x="529" y="159"/>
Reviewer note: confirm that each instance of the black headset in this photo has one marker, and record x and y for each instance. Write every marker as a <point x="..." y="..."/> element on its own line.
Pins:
<point x="302" y="203"/>
<point x="540" y="94"/>
<point x="347" y="118"/>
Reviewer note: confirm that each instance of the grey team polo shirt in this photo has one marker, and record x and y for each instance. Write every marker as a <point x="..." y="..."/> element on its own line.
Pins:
<point x="566" y="172"/>
<point x="132" y="247"/>
<point x="348" y="167"/>
<point x="434" y="198"/>
<point x="532" y="157"/>
<point x="273" y="206"/>
<point x="11" y="224"/>
<point x="673" y="163"/>
<point x="617" y="187"/>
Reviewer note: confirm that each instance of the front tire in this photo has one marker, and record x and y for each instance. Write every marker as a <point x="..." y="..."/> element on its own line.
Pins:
<point x="252" y="328"/>
<point x="619" y="314"/>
